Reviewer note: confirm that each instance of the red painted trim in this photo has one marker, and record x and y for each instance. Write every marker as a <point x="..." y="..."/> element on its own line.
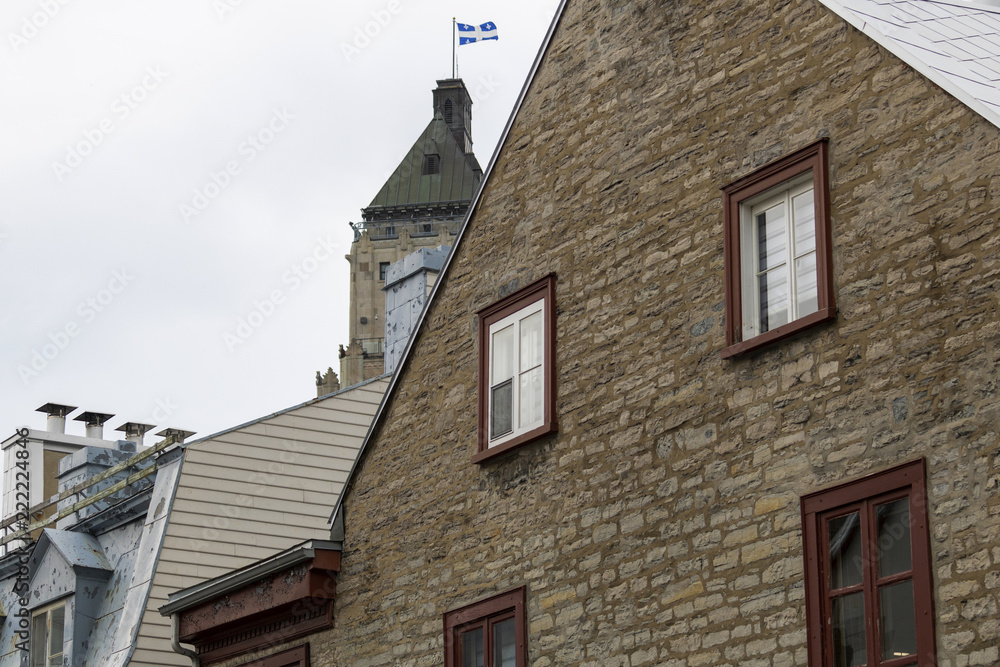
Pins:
<point x="497" y="607"/>
<point x="782" y="332"/>
<point x="540" y="289"/>
<point x="294" y="657"/>
<point x="274" y="609"/>
<point x="904" y="481"/>
<point x="815" y="157"/>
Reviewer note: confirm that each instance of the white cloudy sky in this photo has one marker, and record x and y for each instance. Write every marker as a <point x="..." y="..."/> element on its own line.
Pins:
<point x="113" y="113"/>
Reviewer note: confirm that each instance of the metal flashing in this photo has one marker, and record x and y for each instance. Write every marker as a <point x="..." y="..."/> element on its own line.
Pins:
<point x="231" y="581"/>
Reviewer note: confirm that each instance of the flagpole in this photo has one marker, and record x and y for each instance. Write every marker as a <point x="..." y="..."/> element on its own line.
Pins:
<point x="453" y="47"/>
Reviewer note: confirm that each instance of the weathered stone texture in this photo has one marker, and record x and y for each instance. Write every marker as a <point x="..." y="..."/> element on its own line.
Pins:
<point x="661" y="524"/>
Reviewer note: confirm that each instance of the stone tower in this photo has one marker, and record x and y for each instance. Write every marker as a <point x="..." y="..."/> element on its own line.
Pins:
<point x="421" y="204"/>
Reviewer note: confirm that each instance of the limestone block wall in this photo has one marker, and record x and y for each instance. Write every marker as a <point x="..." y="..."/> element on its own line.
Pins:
<point x="661" y="524"/>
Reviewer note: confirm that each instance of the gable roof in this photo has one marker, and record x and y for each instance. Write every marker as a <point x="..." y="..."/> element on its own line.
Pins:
<point x="336" y="521"/>
<point x="986" y="38"/>
<point x="81" y="551"/>
<point x="953" y="43"/>
<point x="457" y="179"/>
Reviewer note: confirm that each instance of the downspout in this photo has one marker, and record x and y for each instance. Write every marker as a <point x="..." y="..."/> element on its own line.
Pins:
<point x="175" y="643"/>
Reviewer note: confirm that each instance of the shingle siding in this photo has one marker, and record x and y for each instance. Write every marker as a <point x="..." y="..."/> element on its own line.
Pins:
<point x="249" y="493"/>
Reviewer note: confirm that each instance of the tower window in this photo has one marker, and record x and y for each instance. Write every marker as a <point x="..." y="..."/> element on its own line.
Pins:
<point x="432" y="164"/>
<point x="448" y="111"/>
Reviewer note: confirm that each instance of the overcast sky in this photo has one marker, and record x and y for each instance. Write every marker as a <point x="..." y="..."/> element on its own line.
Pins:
<point x="169" y="167"/>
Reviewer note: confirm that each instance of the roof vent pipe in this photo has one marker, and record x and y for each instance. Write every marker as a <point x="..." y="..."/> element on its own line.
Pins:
<point x="95" y="423"/>
<point x="134" y="432"/>
<point x="56" y="422"/>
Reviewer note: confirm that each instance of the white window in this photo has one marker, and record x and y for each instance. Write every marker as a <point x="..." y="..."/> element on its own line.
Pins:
<point x="779" y="251"/>
<point x="778" y="239"/>
<point x="47" y="636"/>
<point x="516" y="385"/>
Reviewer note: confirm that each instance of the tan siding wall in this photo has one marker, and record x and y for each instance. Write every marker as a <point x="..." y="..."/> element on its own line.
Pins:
<point x="247" y="494"/>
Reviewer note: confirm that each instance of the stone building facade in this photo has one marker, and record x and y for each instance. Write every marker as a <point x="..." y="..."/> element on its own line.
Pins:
<point x="665" y="513"/>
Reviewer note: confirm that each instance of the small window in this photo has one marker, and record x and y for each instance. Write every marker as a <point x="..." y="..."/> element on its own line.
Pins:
<point x="517" y="369"/>
<point x="295" y="657"/>
<point x="383" y="268"/>
<point x="489" y="633"/>
<point x="778" y="251"/>
<point x="449" y="111"/>
<point x="432" y="164"/>
<point x="868" y="575"/>
<point x="47" y="636"/>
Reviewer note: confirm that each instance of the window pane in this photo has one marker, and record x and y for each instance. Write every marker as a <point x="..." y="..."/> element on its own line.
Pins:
<point x="849" y="630"/>
<point x="38" y="657"/>
<point x="531" y="341"/>
<point x="472" y="648"/>
<point x="56" y="630"/>
<point x="502" y="354"/>
<point x="805" y="285"/>
<point x="501" y="408"/>
<point x="503" y="644"/>
<point x="893" y="537"/>
<point x="804" y="217"/>
<point x="899" y="626"/>
<point x="846" y="564"/>
<point x="771" y="237"/>
<point x="530" y="400"/>
<point x="773" y="300"/>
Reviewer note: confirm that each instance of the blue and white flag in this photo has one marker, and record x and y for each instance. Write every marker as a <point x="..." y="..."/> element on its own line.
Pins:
<point x="468" y="34"/>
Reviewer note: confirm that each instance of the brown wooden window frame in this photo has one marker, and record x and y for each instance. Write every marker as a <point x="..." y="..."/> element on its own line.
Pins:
<point x="862" y="496"/>
<point x="543" y="289"/>
<point x="483" y="614"/>
<point x="293" y="657"/>
<point x="772" y="177"/>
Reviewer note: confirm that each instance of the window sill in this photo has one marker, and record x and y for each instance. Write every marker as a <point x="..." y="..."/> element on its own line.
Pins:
<point x="790" y="329"/>
<point x="497" y="450"/>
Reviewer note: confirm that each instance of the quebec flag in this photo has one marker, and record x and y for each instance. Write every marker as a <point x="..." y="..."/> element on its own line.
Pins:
<point x="468" y="34"/>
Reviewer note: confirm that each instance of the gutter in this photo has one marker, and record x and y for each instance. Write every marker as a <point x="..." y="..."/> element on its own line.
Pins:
<point x="175" y="629"/>
<point x="213" y="588"/>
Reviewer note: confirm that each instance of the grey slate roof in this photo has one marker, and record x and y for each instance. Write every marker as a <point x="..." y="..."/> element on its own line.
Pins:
<point x="954" y="43"/>
<point x="457" y="181"/>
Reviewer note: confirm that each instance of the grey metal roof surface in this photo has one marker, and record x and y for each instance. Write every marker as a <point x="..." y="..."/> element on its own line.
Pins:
<point x="456" y="181"/>
<point x="955" y="44"/>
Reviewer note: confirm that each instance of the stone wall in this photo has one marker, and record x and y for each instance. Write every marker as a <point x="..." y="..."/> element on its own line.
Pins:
<point x="661" y="524"/>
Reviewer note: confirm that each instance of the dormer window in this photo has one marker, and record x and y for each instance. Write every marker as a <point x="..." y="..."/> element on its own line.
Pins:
<point x="432" y="164"/>
<point x="47" y="636"/>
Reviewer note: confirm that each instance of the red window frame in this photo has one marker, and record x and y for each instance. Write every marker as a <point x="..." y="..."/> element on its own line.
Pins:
<point x="541" y="289"/>
<point x="862" y="496"/>
<point x="484" y="614"/>
<point x="294" y="657"/>
<point x="812" y="157"/>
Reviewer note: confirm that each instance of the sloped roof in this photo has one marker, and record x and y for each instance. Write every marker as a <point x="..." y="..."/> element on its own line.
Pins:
<point x="457" y="179"/>
<point x="955" y="44"/>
